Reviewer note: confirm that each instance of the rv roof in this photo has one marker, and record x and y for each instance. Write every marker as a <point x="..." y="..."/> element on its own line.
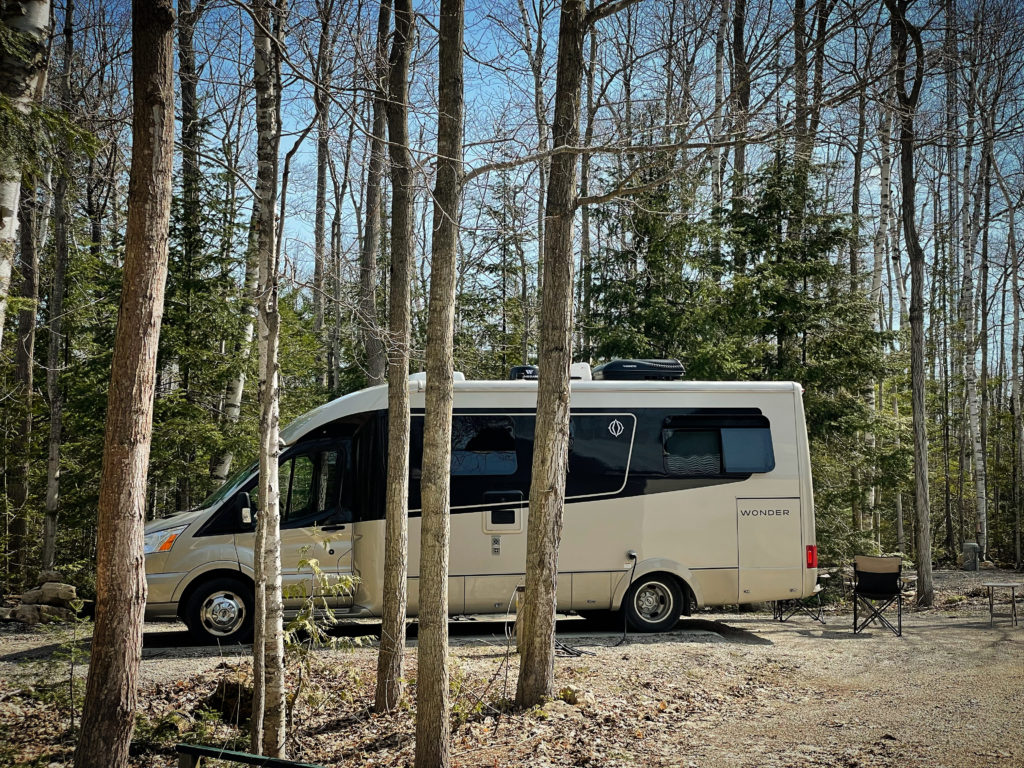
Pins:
<point x="376" y="398"/>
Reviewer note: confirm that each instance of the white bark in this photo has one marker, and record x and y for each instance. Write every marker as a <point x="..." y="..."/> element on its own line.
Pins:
<point x="268" y="732"/>
<point x="20" y="81"/>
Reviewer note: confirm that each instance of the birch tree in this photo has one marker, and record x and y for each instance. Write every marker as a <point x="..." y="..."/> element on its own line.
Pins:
<point x="108" y="716"/>
<point x="267" y="733"/>
<point x="25" y="26"/>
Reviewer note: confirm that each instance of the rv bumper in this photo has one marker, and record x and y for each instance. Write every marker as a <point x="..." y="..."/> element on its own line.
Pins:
<point x="162" y="587"/>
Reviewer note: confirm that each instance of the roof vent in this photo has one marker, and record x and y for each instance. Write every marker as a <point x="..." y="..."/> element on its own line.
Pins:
<point x="580" y="372"/>
<point x="422" y="376"/>
<point x="639" y="370"/>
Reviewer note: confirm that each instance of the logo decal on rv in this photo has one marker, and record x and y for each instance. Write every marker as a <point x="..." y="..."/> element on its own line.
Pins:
<point x="616" y="428"/>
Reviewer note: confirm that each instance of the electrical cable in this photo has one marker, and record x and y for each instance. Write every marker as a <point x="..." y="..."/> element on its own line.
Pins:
<point x="631" y="554"/>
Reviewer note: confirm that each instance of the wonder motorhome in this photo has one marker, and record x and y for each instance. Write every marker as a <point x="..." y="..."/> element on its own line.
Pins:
<point x="678" y="494"/>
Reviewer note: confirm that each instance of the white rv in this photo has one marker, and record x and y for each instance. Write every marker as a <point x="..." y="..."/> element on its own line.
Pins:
<point x="679" y="494"/>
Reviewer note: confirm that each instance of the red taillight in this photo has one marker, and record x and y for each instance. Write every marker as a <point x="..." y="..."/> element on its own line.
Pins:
<point x="812" y="555"/>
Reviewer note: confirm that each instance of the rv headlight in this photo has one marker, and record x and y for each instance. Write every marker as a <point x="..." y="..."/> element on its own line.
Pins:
<point x="162" y="541"/>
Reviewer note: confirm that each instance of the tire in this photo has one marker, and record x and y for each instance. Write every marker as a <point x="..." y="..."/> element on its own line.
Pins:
<point x="654" y="603"/>
<point x="221" y="611"/>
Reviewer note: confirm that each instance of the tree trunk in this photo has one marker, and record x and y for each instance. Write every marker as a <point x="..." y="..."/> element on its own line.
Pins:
<point x="905" y="32"/>
<point x="718" y="168"/>
<point x="396" y="544"/>
<point x="268" y="731"/>
<point x="740" y="108"/>
<point x="54" y="392"/>
<point x="433" y="730"/>
<point x="368" y="321"/>
<point x="108" y="717"/>
<point x="322" y="106"/>
<point x="1015" y="373"/>
<point x="20" y="82"/>
<point x="20" y="466"/>
<point x="551" y="437"/>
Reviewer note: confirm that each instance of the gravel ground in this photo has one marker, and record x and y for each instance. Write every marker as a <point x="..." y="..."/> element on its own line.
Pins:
<point x="736" y="689"/>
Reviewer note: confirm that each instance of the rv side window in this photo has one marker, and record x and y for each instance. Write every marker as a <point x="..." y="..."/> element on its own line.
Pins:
<point x="483" y="445"/>
<point x="738" y="450"/>
<point x="748" y="449"/>
<point x="310" y="487"/>
<point x="692" y="452"/>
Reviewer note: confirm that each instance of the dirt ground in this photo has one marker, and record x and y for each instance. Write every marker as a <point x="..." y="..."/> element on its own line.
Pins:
<point x="735" y="689"/>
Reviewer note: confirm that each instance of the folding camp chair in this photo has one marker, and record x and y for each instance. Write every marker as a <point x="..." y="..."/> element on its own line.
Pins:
<point x="877" y="584"/>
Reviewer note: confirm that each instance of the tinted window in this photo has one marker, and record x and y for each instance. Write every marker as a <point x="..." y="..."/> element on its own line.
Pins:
<point x="692" y="453"/>
<point x="483" y="445"/>
<point x="748" y="449"/>
<point x="700" y="447"/>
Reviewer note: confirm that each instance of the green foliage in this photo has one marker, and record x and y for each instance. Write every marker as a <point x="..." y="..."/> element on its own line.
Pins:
<point x="757" y="292"/>
<point x="497" y="301"/>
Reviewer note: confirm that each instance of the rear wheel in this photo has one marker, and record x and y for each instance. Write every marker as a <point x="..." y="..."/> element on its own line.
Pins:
<point x="654" y="603"/>
<point x="221" y="610"/>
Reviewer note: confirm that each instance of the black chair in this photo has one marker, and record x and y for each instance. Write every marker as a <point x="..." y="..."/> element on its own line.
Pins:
<point x="877" y="584"/>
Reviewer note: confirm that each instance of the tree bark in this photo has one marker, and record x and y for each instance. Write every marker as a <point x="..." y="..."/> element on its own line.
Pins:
<point x="108" y="717"/>
<point x="20" y="81"/>
<point x="396" y="543"/>
<point x="268" y="731"/>
<point x="322" y="104"/>
<point x="20" y="466"/>
<point x="551" y="436"/>
<point x="905" y="32"/>
<point x="54" y="391"/>
<point x="368" y="320"/>
<point x="433" y="730"/>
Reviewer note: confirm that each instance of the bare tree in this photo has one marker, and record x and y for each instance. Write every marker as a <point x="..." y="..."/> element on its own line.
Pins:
<point x="551" y="436"/>
<point x="108" y="717"/>
<point x="907" y="34"/>
<point x="19" y="469"/>
<point x="396" y="545"/>
<point x="369" y="325"/>
<point x="433" y="730"/>
<point x="61" y="236"/>
<point x="268" y="719"/>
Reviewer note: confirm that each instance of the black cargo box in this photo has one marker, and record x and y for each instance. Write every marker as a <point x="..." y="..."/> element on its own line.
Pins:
<point x="528" y="372"/>
<point x="639" y="370"/>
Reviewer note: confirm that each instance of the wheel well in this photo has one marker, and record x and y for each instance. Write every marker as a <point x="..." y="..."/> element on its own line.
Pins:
<point x="220" y="573"/>
<point x="689" y="598"/>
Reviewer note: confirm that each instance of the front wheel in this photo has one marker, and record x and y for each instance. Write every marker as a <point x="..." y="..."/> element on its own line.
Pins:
<point x="653" y="603"/>
<point x="221" y="610"/>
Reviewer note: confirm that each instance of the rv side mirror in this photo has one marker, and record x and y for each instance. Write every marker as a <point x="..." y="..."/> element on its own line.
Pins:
<point x="245" y="505"/>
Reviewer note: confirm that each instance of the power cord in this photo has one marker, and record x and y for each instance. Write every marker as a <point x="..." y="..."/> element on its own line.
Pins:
<point x="631" y="554"/>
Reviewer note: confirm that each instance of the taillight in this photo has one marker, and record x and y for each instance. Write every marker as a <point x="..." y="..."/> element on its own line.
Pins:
<point x="812" y="555"/>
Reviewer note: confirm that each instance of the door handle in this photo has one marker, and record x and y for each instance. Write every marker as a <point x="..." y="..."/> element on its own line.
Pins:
<point x="337" y="527"/>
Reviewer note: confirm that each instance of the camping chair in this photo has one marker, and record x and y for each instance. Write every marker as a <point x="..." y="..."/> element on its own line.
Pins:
<point x="877" y="584"/>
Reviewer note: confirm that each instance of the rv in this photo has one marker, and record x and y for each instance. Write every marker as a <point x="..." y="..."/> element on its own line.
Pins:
<point x="679" y="494"/>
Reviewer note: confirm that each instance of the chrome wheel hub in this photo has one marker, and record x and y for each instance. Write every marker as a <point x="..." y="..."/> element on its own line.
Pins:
<point x="222" y="613"/>
<point x="653" y="602"/>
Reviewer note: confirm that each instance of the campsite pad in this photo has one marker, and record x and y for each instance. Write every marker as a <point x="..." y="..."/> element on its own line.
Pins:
<point x="735" y="689"/>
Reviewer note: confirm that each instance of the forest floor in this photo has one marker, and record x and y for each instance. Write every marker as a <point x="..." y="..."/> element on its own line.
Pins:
<point x="723" y="689"/>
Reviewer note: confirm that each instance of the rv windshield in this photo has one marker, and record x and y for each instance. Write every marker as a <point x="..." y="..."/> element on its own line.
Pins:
<point x="229" y="486"/>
